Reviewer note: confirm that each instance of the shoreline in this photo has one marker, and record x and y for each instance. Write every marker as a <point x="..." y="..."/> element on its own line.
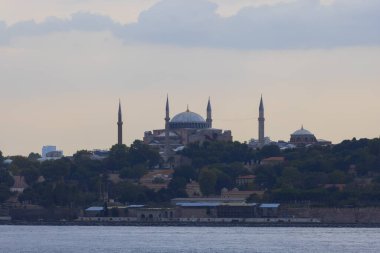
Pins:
<point x="189" y="224"/>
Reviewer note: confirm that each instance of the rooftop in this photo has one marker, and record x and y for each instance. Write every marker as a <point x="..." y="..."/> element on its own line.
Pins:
<point x="188" y="117"/>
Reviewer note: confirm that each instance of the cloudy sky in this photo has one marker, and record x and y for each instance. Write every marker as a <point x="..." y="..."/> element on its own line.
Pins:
<point x="65" y="63"/>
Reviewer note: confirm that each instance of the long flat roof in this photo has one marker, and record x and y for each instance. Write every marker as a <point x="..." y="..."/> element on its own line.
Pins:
<point x="212" y="204"/>
<point x="270" y="205"/>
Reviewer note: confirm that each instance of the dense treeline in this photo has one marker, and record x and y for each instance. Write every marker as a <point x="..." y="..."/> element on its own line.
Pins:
<point x="80" y="181"/>
<point x="347" y="174"/>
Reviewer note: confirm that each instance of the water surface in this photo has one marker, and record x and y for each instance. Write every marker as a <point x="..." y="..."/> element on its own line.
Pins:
<point x="80" y="239"/>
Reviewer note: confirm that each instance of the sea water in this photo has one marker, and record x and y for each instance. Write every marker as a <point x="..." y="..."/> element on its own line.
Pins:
<point x="94" y="239"/>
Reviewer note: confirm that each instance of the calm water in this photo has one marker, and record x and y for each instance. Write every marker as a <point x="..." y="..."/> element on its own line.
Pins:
<point x="50" y="239"/>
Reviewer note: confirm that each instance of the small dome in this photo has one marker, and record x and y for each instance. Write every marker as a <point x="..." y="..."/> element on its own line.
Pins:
<point x="188" y="117"/>
<point x="302" y="131"/>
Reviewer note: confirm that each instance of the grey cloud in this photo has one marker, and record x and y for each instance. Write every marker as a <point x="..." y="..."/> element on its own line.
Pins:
<point x="303" y="24"/>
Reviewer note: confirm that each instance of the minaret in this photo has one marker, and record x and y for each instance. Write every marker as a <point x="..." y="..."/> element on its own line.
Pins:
<point x="167" y="130"/>
<point x="119" y="127"/>
<point x="261" y="123"/>
<point x="209" y="114"/>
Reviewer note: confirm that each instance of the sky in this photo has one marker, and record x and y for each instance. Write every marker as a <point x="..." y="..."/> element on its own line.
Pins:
<point x="64" y="64"/>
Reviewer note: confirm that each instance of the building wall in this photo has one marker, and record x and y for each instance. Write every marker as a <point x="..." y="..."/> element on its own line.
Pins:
<point x="197" y="212"/>
<point x="337" y="215"/>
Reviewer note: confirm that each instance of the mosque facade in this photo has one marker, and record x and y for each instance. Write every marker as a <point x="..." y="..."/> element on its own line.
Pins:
<point x="300" y="138"/>
<point x="184" y="128"/>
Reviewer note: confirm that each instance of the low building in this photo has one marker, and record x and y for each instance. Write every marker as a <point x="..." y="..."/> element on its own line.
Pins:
<point x="197" y="209"/>
<point x="245" y="180"/>
<point x="176" y="201"/>
<point x="154" y="214"/>
<point x="201" y="210"/>
<point x="340" y="187"/>
<point x="235" y="193"/>
<point x="273" y="160"/>
<point x="193" y="189"/>
<point x="243" y="210"/>
<point x="19" y="184"/>
<point x="157" y="179"/>
<point x="269" y="210"/>
<point x="94" y="211"/>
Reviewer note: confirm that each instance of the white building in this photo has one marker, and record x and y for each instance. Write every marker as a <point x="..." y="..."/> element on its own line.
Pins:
<point x="48" y="149"/>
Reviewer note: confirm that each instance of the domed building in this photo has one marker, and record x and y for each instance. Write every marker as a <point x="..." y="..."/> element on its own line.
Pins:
<point x="188" y="119"/>
<point x="303" y="137"/>
<point x="184" y="128"/>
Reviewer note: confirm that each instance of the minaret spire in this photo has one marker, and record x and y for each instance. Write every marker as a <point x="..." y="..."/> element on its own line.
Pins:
<point x="209" y="113"/>
<point x="167" y="130"/>
<point x="120" y="126"/>
<point x="261" y="123"/>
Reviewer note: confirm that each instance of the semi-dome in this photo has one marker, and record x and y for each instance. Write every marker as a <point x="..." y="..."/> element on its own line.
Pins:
<point x="188" y="117"/>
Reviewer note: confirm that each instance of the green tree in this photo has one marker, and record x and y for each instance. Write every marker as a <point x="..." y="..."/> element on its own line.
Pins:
<point x="55" y="170"/>
<point x="290" y="178"/>
<point x="140" y="153"/>
<point x="5" y="178"/>
<point x="4" y="192"/>
<point x="269" y="151"/>
<point x="118" y="158"/>
<point x="131" y="193"/>
<point x="1" y="158"/>
<point x="31" y="175"/>
<point x="207" y="181"/>
<point x="134" y="172"/>
<point x="34" y="156"/>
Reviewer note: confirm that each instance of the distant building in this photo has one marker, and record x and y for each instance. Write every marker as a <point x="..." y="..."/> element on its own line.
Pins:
<point x="157" y="179"/>
<point x="19" y="184"/>
<point x="302" y="137"/>
<point x="193" y="189"/>
<point x="245" y="180"/>
<point x="48" y="149"/>
<point x="50" y="153"/>
<point x="184" y="128"/>
<point x="273" y="160"/>
<point x="98" y="154"/>
<point x="269" y="210"/>
<point x="235" y="193"/>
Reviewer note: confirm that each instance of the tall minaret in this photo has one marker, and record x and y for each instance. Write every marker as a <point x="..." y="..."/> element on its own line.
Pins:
<point x="209" y="114"/>
<point x="167" y="130"/>
<point x="261" y="123"/>
<point x="119" y="127"/>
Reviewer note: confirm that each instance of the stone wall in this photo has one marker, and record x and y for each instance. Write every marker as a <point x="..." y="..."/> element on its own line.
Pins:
<point x="336" y="215"/>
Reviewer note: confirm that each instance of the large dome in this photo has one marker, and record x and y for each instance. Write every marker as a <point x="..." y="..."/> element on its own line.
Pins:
<point x="302" y="137"/>
<point x="188" y="117"/>
<point x="188" y="120"/>
<point x="302" y="131"/>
